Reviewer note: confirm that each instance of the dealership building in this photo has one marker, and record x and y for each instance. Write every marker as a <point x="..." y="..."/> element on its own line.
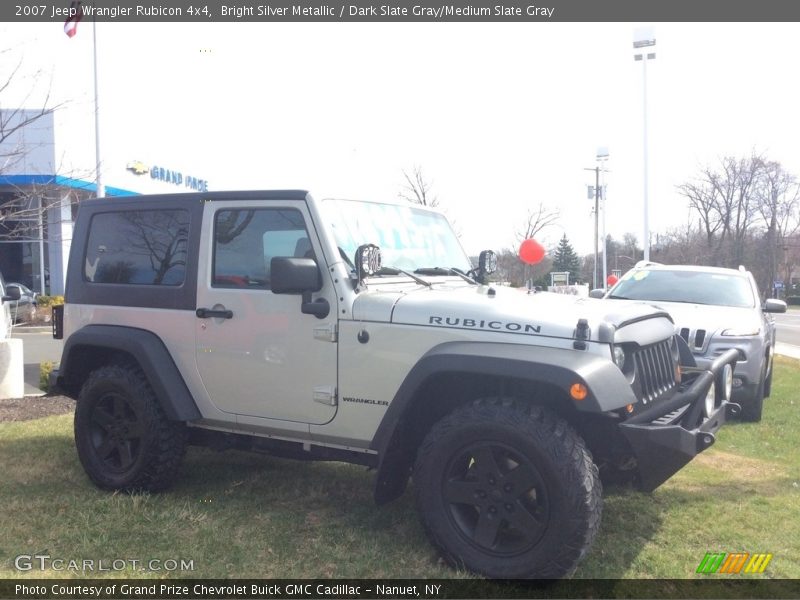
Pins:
<point x="45" y="172"/>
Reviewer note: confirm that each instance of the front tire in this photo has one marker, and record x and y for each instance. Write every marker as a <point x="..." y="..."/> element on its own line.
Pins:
<point x="508" y="490"/>
<point x="124" y="440"/>
<point x="753" y="407"/>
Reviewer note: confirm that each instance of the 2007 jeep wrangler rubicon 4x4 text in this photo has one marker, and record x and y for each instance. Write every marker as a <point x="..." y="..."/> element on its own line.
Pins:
<point x="360" y="332"/>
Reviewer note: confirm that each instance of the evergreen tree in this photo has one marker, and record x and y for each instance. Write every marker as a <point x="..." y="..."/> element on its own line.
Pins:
<point x="566" y="259"/>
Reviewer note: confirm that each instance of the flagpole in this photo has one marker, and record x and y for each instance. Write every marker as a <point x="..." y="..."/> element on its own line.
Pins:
<point x="101" y="190"/>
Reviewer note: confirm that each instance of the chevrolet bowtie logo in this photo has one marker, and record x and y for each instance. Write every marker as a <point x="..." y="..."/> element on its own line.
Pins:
<point x="137" y="167"/>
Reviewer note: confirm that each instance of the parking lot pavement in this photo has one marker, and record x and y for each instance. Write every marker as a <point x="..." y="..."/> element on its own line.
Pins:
<point x="787" y="350"/>
<point x="38" y="346"/>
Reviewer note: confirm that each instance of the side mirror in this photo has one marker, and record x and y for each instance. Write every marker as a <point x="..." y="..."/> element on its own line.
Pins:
<point x="597" y="293"/>
<point x="774" y="306"/>
<point x="368" y="261"/>
<point x="487" y="264"/>
<point x="299" y="276"/>
<point x="294" y="275"/>
<point x="12" y="294"/>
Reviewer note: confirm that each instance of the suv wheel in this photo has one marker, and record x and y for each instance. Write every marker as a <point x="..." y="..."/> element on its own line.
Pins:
<point x="508" y="490"/>
<point x="753" y="407"/>
<point x="124" y="440"/>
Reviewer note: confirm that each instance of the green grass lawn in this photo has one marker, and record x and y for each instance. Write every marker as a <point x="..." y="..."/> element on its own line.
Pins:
<point x="241" y="515"/>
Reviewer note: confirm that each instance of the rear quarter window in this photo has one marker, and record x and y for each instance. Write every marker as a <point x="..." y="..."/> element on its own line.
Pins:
<point x="138" y="247"/>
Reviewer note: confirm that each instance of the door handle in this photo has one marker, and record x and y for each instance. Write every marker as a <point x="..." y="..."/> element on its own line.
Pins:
<point x="205" y="313"/>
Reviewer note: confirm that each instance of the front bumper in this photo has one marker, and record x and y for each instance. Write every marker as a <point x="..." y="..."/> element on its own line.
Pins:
<point x="663" y="444"/>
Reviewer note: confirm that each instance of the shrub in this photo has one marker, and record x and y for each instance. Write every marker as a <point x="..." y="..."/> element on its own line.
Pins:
<point x="793" y="300"/>
<point x="44" y="375"/>
<point x="48" y="301"/>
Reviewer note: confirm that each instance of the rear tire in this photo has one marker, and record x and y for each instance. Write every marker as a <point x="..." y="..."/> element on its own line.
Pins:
<point x="508" y="490"/>
<point x="124" y="440"/>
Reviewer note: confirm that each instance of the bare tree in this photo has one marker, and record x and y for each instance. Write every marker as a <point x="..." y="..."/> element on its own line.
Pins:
<point x="15" y="120"/>
<point x="22" y="211"/>
<point x="725" y="200"/>
<point x="777" y="197"/>
<point x="537" y="220"/>
<point x="418" y="189"/>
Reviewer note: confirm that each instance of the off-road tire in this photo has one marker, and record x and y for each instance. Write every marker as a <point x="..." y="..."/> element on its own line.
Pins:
<point x="124" y="440"/>
<point x="753" y="407"/>
<point x="508" y="490"/>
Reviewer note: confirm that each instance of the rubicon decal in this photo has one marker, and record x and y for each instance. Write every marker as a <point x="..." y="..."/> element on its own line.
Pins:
<point x="733" y="563"/>
<point x="484" y="324"/>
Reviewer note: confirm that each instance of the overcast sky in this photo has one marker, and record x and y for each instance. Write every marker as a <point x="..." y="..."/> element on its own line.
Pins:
<point x="499" y="116"/>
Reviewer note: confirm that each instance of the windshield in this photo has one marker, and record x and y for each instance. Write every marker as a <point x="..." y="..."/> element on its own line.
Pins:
<point x="696" y="287"/>
<point x="410" y="238"/>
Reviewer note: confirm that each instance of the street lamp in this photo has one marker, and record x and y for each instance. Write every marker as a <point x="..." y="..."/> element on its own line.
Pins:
<point x="644" y="50"/>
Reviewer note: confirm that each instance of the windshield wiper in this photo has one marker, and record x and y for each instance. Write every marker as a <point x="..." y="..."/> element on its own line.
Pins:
<point x="396" y="271"/>
<point x="444" y="271"/>
<point x="612" y="296"/>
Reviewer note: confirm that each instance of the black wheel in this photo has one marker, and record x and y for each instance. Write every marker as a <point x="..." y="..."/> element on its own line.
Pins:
<point x="508" y="490"/>
<point x="754" y="406"/>
<point x="124" y="441"/>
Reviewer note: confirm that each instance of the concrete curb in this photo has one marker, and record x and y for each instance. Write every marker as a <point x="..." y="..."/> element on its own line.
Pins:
<point x="32" y="329"/>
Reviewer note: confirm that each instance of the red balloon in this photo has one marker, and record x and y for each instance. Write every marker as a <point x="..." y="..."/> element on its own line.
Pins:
<point x="531" y="252"/>
<point x="611" y="280"/>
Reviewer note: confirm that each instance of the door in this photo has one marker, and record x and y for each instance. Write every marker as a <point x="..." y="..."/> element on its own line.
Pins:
<point x="257" y="354"/>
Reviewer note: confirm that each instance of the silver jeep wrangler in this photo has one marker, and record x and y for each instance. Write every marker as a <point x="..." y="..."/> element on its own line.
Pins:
<point x="361" y="332"/>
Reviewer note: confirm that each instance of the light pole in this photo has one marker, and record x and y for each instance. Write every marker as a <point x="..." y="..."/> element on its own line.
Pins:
<point x="644" y="49"/>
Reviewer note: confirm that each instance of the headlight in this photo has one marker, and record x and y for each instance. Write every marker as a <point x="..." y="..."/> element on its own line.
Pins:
<point x="710" y="401"/>
<point x="619" y="357"/>
<point x="741" y="332"/>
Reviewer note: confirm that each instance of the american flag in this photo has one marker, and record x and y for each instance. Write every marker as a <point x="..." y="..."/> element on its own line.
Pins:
<point x="75" y="14"/>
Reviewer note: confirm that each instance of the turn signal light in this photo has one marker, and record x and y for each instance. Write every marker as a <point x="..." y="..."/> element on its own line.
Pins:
<point x="578" y="391"/>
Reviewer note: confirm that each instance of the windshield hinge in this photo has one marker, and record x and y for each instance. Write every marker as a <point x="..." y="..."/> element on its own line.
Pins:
<point x="327" y="333"/>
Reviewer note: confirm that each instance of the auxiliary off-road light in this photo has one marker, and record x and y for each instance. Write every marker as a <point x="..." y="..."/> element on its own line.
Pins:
<point x="578" y="391"/>
<point x="727" y="382"/>
<point x="710" y="401"/>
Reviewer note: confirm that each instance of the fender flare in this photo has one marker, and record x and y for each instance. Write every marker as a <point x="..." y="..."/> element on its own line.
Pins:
<point x="147" y="349"/>
<point x="608" y="388"/>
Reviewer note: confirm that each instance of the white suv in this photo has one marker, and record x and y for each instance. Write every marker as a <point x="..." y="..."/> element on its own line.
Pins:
<point x="361" y="332"/>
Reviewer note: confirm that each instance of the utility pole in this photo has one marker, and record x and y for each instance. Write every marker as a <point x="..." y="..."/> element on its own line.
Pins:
<point x="597" y="193"/>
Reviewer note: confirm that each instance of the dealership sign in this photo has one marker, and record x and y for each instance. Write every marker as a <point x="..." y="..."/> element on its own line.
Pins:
<point x="168" y="175"/>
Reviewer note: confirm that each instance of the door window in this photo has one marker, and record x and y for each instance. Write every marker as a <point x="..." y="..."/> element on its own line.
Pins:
<point x="246" y="240"/>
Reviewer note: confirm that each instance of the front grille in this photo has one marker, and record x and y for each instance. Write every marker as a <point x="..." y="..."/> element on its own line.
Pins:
<point x="655" y="371"/>
<point x="695" y="338"/>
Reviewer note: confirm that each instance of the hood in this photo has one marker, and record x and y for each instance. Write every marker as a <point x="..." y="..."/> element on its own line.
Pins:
<point x="508" y="310"/>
